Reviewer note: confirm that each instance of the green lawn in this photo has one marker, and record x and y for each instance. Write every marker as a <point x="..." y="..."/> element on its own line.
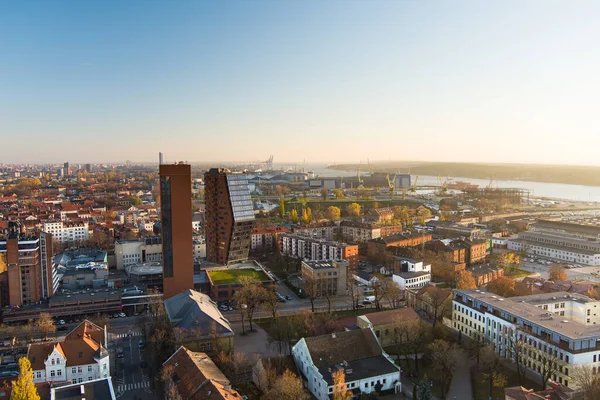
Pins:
<point x="229" y="276"/>
<point x="516" y="272"/>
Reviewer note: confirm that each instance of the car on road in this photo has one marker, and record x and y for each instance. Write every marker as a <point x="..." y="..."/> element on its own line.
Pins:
<point x="61" y="321"/>
<point x="122" y="315"/>
<point x="120" y="355"/>
<point x="288" y="297"/>
<point x="141" y="344"/>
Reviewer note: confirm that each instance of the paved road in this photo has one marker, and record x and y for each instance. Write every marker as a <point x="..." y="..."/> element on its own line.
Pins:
<point x="460" y="388"/>
<point x="131" y="380"/>
<point x="573" y="273"/>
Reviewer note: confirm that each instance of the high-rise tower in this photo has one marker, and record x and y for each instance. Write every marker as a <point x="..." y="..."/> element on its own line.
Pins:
<point x="176" y="227"/>
<point x="229" y="216"/>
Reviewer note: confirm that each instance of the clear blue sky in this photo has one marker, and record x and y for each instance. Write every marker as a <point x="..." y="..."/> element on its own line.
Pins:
<point x="498" y="81"/>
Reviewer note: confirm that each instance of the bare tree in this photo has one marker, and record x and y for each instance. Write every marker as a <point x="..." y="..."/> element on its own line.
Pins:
<point x="493" y="367"/>
<point x="548" y="365"/>
<point x="588" y="380"/>
<point x="271" y="302"/>
<point x="419" y="335"/>
<point x="444" y="357"/>
<point x="312" y="291"/>
<point x="250" y="294"/>
<point x="169" y="387"/>
<point x="518" y="349"/>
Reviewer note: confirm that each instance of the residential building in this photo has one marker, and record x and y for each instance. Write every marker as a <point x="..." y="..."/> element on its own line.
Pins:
<point x="366" y="366"/>
<point x="309" y="249"/>
<point x="95" y="389"/>
<point x="485" y="273"/>
<point x="29" y="275"/>
<point x="451" y="259"/>
<point x="81" y="357"/>
<point x="450" y="229"/>
<point x="554" y="391"/>
<point x="430" y="301"/>
<point x="364" y="277"/>
<point x="386" y="324"/>
<point x="562" y="327"/>
<point x="264" y="240"/>
<point x="198" y="323"/>
<point x="196" y="377"/>
<point x="199" y="248"/>
<point x="326" y="230"/>
<point x="229" y="216"/>
<point x="328" y="277"/>
<point x="475" y="250"/>
<point x="176" y="228"/>
<point x="412" y="274"/>
<point x="143" y="250"/>
<point x="407" y="239"/>
<point x="67" y="232"/>
<point x="531" y="285"/>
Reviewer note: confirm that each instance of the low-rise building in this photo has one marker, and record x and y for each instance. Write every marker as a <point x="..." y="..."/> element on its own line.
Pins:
<point x="366" y="366"/>
<point x="81" y="357"/>
<point x="132" y="252"/>
<point x="407" y="239"/>
<point x="198" y="323"/>
<point x="475" y="249"/>
<point x="94" y="389"/>
<point x="328" y="277"/>
<point x="196" y="377"/>
<point x="430" y="301"/>
<point x="561" y="328"/>
<point x="386" y="324"/>
<point x="412" y="274"/>
<point x="224" y="279"/>
<point x="485" y="273"/>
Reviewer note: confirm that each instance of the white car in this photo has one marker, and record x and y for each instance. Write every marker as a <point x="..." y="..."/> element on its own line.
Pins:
<point x="61" y="321"/>
<point x="122" y="315"/>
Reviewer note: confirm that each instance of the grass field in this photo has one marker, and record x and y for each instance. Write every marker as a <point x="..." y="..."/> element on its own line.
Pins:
<point x="229" y="276"/>
<point x="516" y="272"/>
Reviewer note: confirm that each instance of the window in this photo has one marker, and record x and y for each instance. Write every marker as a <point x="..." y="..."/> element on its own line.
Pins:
<point x="38" y="375"/>
<point x="79" y="370"/>
<point x="59" y="372"/>
<point x="73" y="370"/>
<point x="89" y="368"/>
<point x="52" y="373"/>
<point x="89" y="378"/>
<point x="80" y="380"/>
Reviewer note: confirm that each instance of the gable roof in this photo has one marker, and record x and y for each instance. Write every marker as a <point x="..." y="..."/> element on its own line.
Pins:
<point x="348" y="346"/>
<point x="192" y="309"/>
<point x="197" y="377"/>
<point x="391" y="316"/>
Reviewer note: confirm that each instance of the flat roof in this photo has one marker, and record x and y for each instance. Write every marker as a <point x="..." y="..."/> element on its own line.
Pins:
<point x="556" y="247"/>
<point x="410" y="275"/>
<point x="522" y="307"/>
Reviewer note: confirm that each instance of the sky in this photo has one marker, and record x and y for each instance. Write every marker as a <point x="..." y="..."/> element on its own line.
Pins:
<point x="321" y="81"/>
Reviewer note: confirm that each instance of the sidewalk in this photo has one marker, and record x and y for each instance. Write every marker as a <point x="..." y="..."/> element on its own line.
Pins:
<point x="460" y="388"/>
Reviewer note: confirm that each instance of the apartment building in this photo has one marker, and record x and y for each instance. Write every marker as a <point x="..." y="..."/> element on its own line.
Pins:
<point x="310" y="249"/>
<point x="143" y="250"/>
<point x="28" y="274"/>
<point x="328" y="277"/>
<point x="560" y="328"/>
<point x="67" y="232"/>
<point x="407" y="239"/>
<point x="264" y="239"/>
<point x="81" y="357"/>
<point x="319" y="230"/>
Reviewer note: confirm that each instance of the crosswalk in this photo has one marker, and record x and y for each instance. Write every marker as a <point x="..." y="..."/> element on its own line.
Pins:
<point x="133" y="386"/>
<point x="124" y="335"/>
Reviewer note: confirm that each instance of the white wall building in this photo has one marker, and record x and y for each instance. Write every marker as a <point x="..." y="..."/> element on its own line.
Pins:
<point x="81" y="357"/>
<point x="366" y="366"/>
<point x="66" y="232"/>
<point x="413" y="274"/>
<point x="557" y="249"/>
<point x="561" y="327"/>
<point x="132" y="252"/>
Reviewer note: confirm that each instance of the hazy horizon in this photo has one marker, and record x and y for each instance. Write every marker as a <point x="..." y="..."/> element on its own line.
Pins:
<point x="331" y="81"/>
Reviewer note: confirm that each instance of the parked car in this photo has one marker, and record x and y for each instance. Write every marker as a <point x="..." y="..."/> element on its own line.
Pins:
<point x="288" y="297"/>
<point x="122" y="315"/>
<point x="141" y="344"/>
<point x="61" y="321"/>
<point x="120" y="355"/>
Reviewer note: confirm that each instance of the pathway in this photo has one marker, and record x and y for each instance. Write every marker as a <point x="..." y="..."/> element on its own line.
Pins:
<point x="460" y="388"/>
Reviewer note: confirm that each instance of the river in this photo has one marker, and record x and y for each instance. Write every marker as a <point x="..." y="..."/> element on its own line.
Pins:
<point x="537" y="189"/>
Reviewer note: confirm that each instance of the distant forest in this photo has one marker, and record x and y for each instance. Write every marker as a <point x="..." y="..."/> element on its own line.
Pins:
<point x="577" y="175"/>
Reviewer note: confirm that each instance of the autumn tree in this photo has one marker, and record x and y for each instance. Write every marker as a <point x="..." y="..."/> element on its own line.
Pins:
<point x="252" y="294"/>
<point x="466" y="280"/>
<point x="493" y="368"/>
<point x="45" y="325"/>
<point x="100" y="319"/>
<point x="288" y="386"/>
<point x="324" y="193"/>
<point x="333" y="213"/>
<point x="557" y="273"/>
<point x="270" y="301"/>
<point x="24" y="388"/>
<point x="306" y="216"/>
<point x="338" y="194"/>
<point x="444" y="358"/>
<point x="502" y="286"/>
<point x="340" y="390"/>
<point x="353" y="210"/>
<point x="281" y="208"/>
<point x="294" y="216"/>
<point x="419" y="334"/>
<point x="518" y="347"/>
<point x="424" y="214"/>
<point x="169" y="386"/>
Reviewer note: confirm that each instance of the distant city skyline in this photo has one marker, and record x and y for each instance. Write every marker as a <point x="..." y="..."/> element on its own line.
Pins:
<point x="206" y="81"/>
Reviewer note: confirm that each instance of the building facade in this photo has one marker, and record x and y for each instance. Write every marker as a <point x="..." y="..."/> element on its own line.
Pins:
<point x="558" y="329"/>
<point x="264" y="240"/>
<point x="412" y="274"/>
<point x="229" y="216"/>
<point x="67" y="232"/>
<point x="562" y="247"/>
<point x="309" y="249"/>
<point x="132" y="252"/>
<point x="328" y="277"/>
<point x="318" y="230"/>
<point x="176" y="226"/>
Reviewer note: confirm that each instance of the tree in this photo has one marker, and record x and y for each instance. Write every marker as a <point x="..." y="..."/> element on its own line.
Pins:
<point x="588" y="380"/>
<point x="281" y="208"/>
<point x="282" y="191"/>
<point x="311" y="290"/>
<point x="518" y="348"/>
<point x="288" y="386"/>
<point x="135" y="201"/>
<point x="492" y="365"/>
<point x="548" y="365"/>
<point x="557" y="273"/>
<point x="305" y="220"/>
<point x="24" y="388"/>
<point x="45" y="325"/>
<point x="340" y="390"/>
<point x="418" y="336"/>
<point x="502" y="286"/>
<point x="170" y="389"/>
<point x="338" y="194"/>
<point x="466" y="280"/>
<point x="102" y="320"/>
<point x="294" y="216"/>
<point x="476" y="346"/>
<point x="444" y="358"/>
<point x="424" y="214"/>
<point x="252" y="295"/>
<point x="333" y="213"/>
<point x="270" y="301"/>
<point x="232" y="365"/>
<point x="353" y="210"/>
<point x="324" y="194"/>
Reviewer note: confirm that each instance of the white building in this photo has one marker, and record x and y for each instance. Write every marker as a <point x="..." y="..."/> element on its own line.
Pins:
<point x="81" y="357"/>
<point x="66" y="232"/>
<point x="366" y="366"/>
<point x="560" y="328"/>
<point x="413" y="274"/>
<point x="132" y="252"/>
<point x="199" y="248"/>
<point x="580" y="251"/>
